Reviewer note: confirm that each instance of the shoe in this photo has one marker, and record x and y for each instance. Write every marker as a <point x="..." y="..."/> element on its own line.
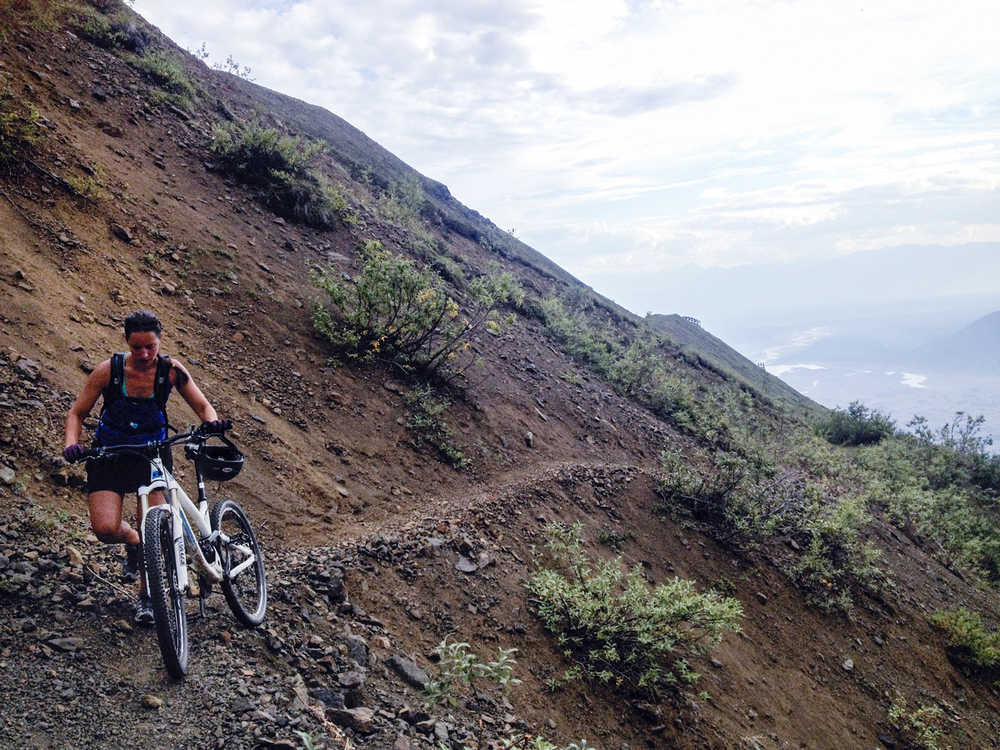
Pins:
<point x="143" y="610"/>
<point x="130" y="566"/>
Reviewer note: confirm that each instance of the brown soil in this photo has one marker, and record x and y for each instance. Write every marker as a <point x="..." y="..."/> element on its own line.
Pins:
<point x="332" y="479"/>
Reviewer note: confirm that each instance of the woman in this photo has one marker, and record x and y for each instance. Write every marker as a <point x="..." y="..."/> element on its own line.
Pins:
<point x="135" y="386"/>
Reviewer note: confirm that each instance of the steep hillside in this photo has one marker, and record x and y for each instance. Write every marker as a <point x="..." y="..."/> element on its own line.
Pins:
<point x="688" y="333"/>
<point x="400" y="507"/>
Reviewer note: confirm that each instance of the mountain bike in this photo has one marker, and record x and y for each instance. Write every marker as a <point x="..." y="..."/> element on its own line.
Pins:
<point x="221" y="544"/>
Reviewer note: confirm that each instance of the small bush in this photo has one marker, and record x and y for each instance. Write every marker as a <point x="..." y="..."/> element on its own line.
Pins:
<point x="282" y="168"/>
<point x="857" y="425"/>
<point x="166" y="72"/>
<point x="428" y="428"/>
<point x="399" y="313"/>
<point x="837" y="558"/>
<point x="921" y="728"/>
<point x="20" y="128"/>
<point x="457" y="666"/>
<point x="534" y="742"/>
<point x="615" y="627"/>
<point x="970" y="644"/>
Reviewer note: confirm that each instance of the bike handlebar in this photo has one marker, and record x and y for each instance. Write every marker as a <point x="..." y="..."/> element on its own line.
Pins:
<point x="148" y="449"/>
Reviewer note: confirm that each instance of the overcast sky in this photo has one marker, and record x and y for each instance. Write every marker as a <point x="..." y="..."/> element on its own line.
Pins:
<point x="631" y="140"/>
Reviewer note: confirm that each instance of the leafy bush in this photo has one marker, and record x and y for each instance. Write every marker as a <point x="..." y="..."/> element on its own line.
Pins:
<point x="836" y="557"/>
<point x="166" y="72"/>
<point x="20" y="127"/>
<point x="458" y="666"/>
<point x="429" y="429"/>
<point x="857" y="425"/>
<point x="617" y="629"/>
<point x="534" y="742"/>
<point x="729" y="493"/>
<point x="921" y="728"/>
<point x="400" y="313"/>
<point x="957" y="453"/>
<point x="970" y="644"/>
<point x="282" y="168"/>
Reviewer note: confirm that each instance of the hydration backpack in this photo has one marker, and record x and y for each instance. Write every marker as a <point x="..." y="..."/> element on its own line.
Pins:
<point x="128" y="419"/>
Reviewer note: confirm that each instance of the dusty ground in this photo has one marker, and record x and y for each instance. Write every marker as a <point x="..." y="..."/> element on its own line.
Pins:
<point x="339" y="493"/>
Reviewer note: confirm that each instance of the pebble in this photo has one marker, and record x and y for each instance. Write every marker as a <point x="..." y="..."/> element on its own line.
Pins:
<point x="152" y="701"/>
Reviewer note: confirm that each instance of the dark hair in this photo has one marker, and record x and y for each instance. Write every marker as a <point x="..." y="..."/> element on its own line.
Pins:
<point x="142" y="320"/>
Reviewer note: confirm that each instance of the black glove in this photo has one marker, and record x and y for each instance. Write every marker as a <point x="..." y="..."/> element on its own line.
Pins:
<point x="74" y="453"/>
<point x="216" y="426"/>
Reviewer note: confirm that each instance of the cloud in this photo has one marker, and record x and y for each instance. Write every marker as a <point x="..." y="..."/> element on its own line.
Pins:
<point x="644" y="134"/>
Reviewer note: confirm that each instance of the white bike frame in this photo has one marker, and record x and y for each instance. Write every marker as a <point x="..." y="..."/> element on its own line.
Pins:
<point x="186" y="542"/>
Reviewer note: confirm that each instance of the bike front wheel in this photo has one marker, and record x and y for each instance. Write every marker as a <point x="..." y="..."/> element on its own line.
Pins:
<point x="243" y="582"/>
<point x="165" y="592"/>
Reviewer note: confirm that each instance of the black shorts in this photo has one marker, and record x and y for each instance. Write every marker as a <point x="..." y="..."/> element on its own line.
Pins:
<point x="122" y="474"/>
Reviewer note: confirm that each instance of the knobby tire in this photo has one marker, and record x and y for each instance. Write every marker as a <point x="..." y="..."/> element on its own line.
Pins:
<point x="164" y="592"/>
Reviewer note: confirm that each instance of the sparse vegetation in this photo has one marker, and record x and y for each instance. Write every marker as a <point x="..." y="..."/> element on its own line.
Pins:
<point x="970" y="644"/>
<point x="162" y="69"/>
<point x="457" y="666"/>
<point x="282" y="168"/>
<point x="615" y="627"/>
<point x="399" y="313"/>
<point x="920" y="728"/>
<point x="428" y="428"/>
<point x="20" y="129"/>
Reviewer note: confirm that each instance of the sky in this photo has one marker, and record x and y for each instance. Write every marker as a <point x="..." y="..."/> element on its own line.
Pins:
<point x="642" y="143"/>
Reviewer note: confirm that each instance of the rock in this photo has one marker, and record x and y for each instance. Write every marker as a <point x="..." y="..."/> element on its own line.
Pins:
<point x="28" y="368"/>
<point x="329" y="698"/>
<point x="98" y="94"/>
<point x="121" y="233"/>
<point x="66" y="645"/>
<point x="392" y="386"/>
<point x="168" y="289"/>
<point x="113" y="130"/>
<point x="265" y="743"/>
<point x="359" y="719"/>
<point x="152" y="701"/>
<point x="441" y="732"/>
<point x="465" y="565"/>
<point x="75" y="558"/>
<point x="336" y="592"/>
<point x="402" y="743"/>
<point x="357" y="649"/>
<point x="87" y="366"/>
<point x="529" y="439"/>
<point x="762" y="597"/>
<point x="7" y="475"/>
<point x="409" y="671"/>
<point x="848" y="665"/>
<point x="74" y="104"/>
<point x="352" y="680"/>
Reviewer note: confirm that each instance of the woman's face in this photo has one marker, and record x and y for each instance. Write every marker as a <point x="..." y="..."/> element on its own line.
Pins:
<point x="144" y="345"/>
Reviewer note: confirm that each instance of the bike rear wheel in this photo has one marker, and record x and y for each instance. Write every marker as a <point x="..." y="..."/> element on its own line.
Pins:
<point x="243" y="583"/>
<point x="164" y="591"/>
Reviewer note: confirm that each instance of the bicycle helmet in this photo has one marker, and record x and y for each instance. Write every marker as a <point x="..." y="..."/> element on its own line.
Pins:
<point x="218" y="463"/>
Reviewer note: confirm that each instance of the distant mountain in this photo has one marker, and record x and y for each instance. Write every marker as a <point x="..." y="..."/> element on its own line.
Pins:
<point x="687" y="333"/>
<point x="973" y="349"/>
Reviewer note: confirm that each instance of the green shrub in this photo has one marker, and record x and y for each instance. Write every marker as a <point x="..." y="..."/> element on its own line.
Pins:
<point x="281" y="167"/>
<point x="428" y="428"/>
<point x="457" y="666"/>
<point x="96" y="27"/>
<point x="162" y="69"/>
<point x="921" y="728"/>
<point x="615" y="627"/>
<point x="399" y="313"/>
<point x="857" y="425"/>
<point x="20" y="128"/>
<point x="836" y="557"/>
<point x="970" y="644"/>
<point x="534" y="742"/>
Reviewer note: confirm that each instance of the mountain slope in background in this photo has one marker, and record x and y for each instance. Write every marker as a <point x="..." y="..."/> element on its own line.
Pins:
<point x="975" y="349"/>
